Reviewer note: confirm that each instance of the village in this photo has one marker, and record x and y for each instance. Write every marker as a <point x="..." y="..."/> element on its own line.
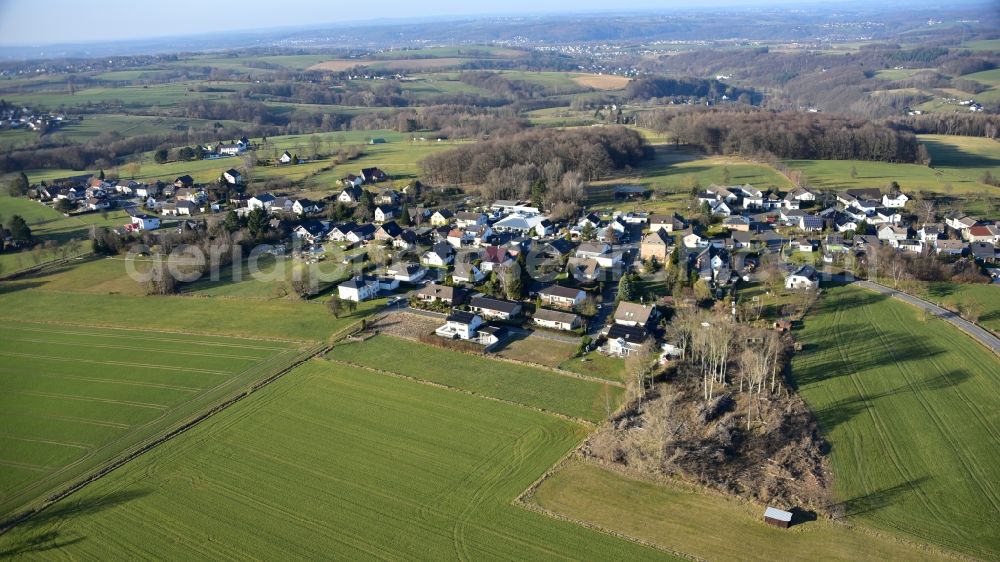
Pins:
<point x="487" y="270"/>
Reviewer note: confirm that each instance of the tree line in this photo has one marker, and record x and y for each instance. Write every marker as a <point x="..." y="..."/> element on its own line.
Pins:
<point x="794" y="135"/>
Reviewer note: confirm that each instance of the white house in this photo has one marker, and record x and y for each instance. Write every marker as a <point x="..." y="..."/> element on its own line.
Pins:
<point x="263" y="201"/>
<point x="466" y="272"/>
<point x="440" y="255"/>
<point x="895" y="200"/>
<point x="556" y="320"/>
<point x="232" y="177"/>
<point x="557" y="295"/>
<point x="146" y="222"/>
<point x="285" y="158"/>
<point x="804" y="277"/>
<point x="358" y="288"/>
<point x="406" y="272"/>
<point x="460" y="325"/>
<point x="624" y="340"/>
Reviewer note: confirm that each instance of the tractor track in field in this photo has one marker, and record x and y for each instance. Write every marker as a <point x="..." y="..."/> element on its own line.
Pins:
<point x="114" y="464"/>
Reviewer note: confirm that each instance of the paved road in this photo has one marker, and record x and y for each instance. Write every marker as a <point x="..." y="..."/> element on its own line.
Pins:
<point x="983" y="336"/>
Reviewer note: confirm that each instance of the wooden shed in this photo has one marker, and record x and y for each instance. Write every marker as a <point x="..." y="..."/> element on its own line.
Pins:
<point x="778" y="517"/>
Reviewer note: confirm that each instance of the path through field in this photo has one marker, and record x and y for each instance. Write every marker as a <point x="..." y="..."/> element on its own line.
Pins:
<point x="909" y="408"/>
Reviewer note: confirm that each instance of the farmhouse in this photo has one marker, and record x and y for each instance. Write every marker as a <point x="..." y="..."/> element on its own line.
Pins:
<point x="557" y="295"/>
<point x="556" y="320"/>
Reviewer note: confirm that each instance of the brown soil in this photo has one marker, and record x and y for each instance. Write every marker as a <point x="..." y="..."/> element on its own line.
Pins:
<point x="602" y="81"/>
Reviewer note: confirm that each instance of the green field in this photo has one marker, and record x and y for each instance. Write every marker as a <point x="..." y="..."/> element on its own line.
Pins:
<point x="984" y="45"/>
<point x="332" y="462"/>
<point x="988" y="77"/>
<point x="909" y="408"/>
<point x="681" y="519"/>
<point x="954" y="296"/>
<point x="75" y="397"/>
<point x="956" y="161"/>
<point x="529" y="386"/>
<point x="159" y="96"/>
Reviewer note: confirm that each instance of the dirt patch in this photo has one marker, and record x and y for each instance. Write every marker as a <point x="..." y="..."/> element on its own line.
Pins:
<point x="406" y="325"/>
<point x="602" y="81"/>
<point x="339" y="65"/>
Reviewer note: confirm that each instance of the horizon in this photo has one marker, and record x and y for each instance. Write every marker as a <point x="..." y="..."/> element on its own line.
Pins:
<point x="76" y="23"/>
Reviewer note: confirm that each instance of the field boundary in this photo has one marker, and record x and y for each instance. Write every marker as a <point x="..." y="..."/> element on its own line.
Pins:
<point x="302" y="357"/>
<point x="394" y="374"/>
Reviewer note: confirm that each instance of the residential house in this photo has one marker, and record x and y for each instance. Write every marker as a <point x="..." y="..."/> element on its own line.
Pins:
<point x="802" y="245"/>
<point x="670" y="223"/>
<point x="892" y="234"/>
<point x="804" y="277"/>
<point x="339" y="232"/>
<point x="633" y="314"/>
<point x="983" y="251"/>
<point x="895" y="200"/>
<point x="564" y="297"/>
<point x="285" y="158"/>
<point x="262" y="201"/>
<point x="183" y="181"/>
<point x="693" y="240"/>
<point x="373" y="175"/>
<point x="584" y="270"/>
<point x="623" y="340"/>
<point x="983" y="233"/>
<point x="440" y="255"/>
<point x="460" y="325"/>
<point x="960" y="222"/>
<point x="466" y="272"/>
<point x="350" y="194"/>
<point x="384" y="213"/>
<point x="232" y="177"/>
<point x="495" y="257"/>
<point x="441" y="217"/>
<point x="452" y="296"/>
<point x="352" y="180"/>
<point x="929" y="232"/>
<point x="810" y="223"/>
<point x="465" y="219"/>
<point x="736" y="222"/>
<point x="305" y="206"/>
<point x="146" y="222"/>
<point x="556" y="320"/>
<point x="388" y="231"/>
<point x="310" y="231"/>
<point x="489" y="307"/>
<point x="407" y="272"/>
<point x="361" y="233"/>
<point x="655" y="245"/>
<point x="358" y="288"/>
<point x="388" y="197"/>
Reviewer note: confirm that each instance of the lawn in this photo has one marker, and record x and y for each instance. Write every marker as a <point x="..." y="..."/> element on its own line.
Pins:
<point x="537" y="350"/>
<point x="282" y="319"/>
<point x="908" y="406"/>
<point x="681" y="519"/>
<point x="957" y="162"/>
<point x="332" y="462"/>
<point x="76" y="397"/>
<point x="529" y="386"/>
<point x="596" y="364"/>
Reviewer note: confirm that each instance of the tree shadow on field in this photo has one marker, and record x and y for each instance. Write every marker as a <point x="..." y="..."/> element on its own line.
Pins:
<point x="878" y="499"/>
<point x="37" y="526"/>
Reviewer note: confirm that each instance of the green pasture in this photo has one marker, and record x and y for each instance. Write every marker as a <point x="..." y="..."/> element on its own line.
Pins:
<point x="529" y="386"/>
<point x="908" y="406"/>
<point x="75" y="397"/>
<point x="332" y="462"/>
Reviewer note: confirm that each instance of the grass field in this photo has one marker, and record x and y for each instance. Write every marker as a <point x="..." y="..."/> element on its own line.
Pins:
<point x="332" y="462"/>
<point x="515" y="383"/>
<point x="596" y="364"/>
<point x="681" y="519"/>
<point x="908" y="406"/>
<point x="955" y="295"/>
<point x="75" y="397"/>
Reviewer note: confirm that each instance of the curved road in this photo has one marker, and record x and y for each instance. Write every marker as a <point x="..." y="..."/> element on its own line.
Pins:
<point x="983" y="336"/>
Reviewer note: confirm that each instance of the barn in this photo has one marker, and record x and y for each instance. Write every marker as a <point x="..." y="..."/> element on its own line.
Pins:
<point x="777" y="517"/>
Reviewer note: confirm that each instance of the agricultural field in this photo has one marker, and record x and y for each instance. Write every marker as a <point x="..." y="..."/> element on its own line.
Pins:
<point x="957" y="162"/>
<point x="332" y="461"/>
<point x="675" y="517"/>
<point x="75" y="397"/>
<point x="532" y="387"/>
<point x="983" y="45"/>
<point x="908" y="406"/>
<point x="158" y="96"/>
<point x="956" y="296"/>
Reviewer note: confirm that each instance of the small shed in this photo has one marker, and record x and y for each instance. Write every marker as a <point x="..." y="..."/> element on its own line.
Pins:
<point x="778" y="517"/>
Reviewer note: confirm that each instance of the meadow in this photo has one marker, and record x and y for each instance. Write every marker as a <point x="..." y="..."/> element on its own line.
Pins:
<point x="676" y="517"/>
<point x="957" y="163"/>
<point x="75" y="397"/>
<point x="529" y="386"/>
<point x="907" y="405"/>
<point x="332" y="461"/>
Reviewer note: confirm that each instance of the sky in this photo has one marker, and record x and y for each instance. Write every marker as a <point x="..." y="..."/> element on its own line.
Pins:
<point x="39" y="22"/>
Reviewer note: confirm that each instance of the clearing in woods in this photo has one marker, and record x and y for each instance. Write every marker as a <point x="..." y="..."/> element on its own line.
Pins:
<point x="332" y="461"/>
<point x="909" y="408"/>
<point x="75" y="397"/>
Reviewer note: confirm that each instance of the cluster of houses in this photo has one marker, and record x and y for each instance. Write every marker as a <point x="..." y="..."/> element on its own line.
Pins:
<point x="25" y="118"/>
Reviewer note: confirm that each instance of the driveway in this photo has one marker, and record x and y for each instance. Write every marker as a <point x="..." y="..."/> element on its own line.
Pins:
<point x="982" y="335"/>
